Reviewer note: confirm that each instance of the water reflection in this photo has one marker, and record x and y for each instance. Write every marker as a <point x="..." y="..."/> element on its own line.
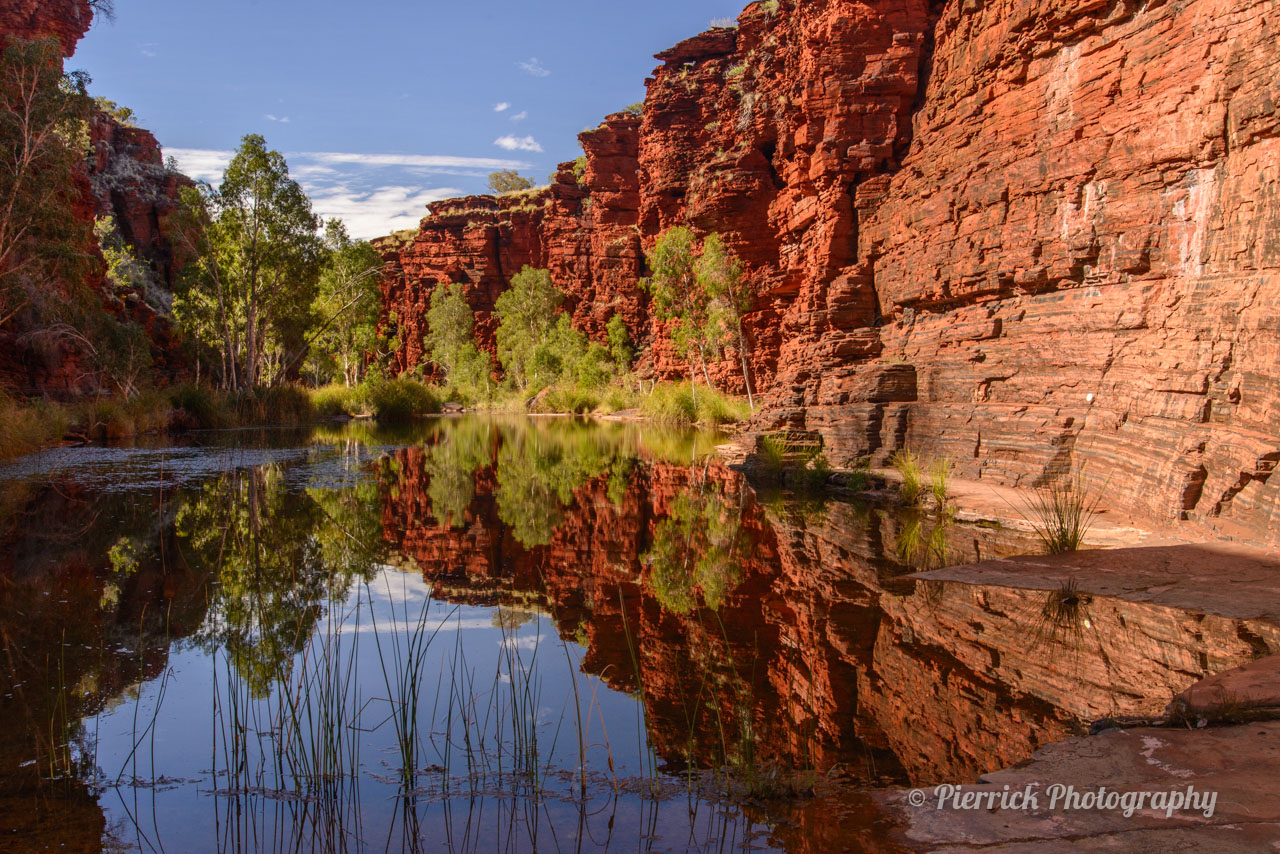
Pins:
<point x="517" y="634"/>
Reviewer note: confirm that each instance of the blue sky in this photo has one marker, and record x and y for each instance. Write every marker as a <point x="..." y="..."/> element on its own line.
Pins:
<point x="381" y="106"/>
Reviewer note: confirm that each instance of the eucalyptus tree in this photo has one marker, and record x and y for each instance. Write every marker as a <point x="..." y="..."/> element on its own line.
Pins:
<point x="679" y="298"/>
<point x="250" y="293"/>
<point x="346" y="305"/>
<point x="720" y="278"/>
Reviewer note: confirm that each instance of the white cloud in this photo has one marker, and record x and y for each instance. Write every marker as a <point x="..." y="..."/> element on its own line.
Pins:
<point x="374" y="194"/>
<point x="499" y="108"/>
<point x="282" y="120"/>
<point x="420" y="161"/>
<point x="148" y="49"/>
<point x="517" y="143"/>
<point x="534" y="67"/>
<point x="377" y="211"/>
<point x="520" y="116"/>
<point x="201" y="164"/>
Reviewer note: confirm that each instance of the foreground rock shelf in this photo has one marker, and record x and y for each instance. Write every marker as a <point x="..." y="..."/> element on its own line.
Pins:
<point x="1240" y="763"/>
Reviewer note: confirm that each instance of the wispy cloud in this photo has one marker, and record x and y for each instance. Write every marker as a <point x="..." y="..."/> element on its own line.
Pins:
<point x="422" y="161"/>
<point x="520" y="116"/>
<point x="200" y="163"/>
<point x="374" y="194"/>
<point x="377" y="211"/>
<point x="517" y="143"/>
<point x="148" y="49"/>
<point x="284" y="120"/>
<point x="499" y="108"/>
<point x="534" y="67"/>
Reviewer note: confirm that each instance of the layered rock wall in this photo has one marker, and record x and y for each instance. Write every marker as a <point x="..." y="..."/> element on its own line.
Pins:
<point x="124" y="176"/>
<point x="65" y="20"/>
<point x="1032" y="237"/>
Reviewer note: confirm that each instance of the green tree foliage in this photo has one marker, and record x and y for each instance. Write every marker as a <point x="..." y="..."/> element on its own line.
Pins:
<point x="619" y="344"/>
<point x="43" y="138"/>
<point x="679" y="299"/>
<point x="720" y="276"/>
<point x="250" y="294"/>
<point x="698" y="549"/>
<point x="704" y="294"/>
<point x="124" y="115"/>
<point x="527" y="315"/>
<point x="449" y="342"/>
<point x="537" y="344"/>
<point x="509" y="181"/>
<point x="636" y="109"/>
<point x="346" y="307"/>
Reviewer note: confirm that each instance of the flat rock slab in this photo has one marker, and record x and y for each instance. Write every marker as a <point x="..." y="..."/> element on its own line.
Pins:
<point x="1203" y="578"/>
<point x="1241" y="764"/>
<point x="1255" y="684"/>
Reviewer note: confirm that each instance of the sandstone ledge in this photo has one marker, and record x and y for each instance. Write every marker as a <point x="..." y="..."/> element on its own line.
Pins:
<point x="1240" y="763"/>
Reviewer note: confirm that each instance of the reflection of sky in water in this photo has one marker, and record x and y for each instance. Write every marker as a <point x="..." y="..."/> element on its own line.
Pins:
<point x="467" y="643"/>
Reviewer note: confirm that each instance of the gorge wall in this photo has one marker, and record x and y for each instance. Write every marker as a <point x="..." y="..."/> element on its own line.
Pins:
<point x="124" y="177"/>
<point x="1029" y="236"/>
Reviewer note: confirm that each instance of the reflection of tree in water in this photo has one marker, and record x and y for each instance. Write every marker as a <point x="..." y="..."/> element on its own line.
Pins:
<point x="539" y="469"/>
<point x="278" y="556"/>
<point x="698" y="549"/>
<point x="458" y="449"/>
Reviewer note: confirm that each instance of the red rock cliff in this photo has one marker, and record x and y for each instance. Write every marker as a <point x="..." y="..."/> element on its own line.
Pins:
<point x="65" y="20"/>
<point x="1029" y="236"/>
<point x="124" y="177"/>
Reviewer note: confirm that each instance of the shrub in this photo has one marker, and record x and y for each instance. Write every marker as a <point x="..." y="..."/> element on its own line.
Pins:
<point x="573" y="399"/>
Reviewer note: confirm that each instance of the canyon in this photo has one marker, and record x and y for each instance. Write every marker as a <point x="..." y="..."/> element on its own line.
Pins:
<point x="1032" y="238"/>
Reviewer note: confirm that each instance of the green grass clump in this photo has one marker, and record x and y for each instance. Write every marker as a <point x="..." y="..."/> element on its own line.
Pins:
<point x="1062" y="512"/>
<point x="679" y="403"/>
<point x="334" y="400"/>
<point x="911" y="490"/>
<point x="939" y="478"/>
<point x="772" y="451"/>
<point x="399" y="399"/>
<point x="282" y="405"/>
<point x="204" y="407"/>
<point x="572" y="399"/>
<point x="671" y="403"/>
<point x="27" y="427"/>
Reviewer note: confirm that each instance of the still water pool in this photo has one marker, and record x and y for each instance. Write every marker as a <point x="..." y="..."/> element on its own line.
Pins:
<point x="514" y="635"/>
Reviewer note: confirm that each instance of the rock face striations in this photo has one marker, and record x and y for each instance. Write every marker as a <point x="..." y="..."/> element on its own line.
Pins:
<point x="124" y="177"/>
<point x="1032" y="237"/>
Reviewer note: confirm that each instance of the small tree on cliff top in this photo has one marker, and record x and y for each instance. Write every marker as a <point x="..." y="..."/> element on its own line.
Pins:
<point x="509" y="181"/>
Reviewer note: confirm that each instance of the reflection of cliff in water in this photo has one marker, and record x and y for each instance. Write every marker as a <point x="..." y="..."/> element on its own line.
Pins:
<point x="779" y="638"/>
<point x="786" y="633"/>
